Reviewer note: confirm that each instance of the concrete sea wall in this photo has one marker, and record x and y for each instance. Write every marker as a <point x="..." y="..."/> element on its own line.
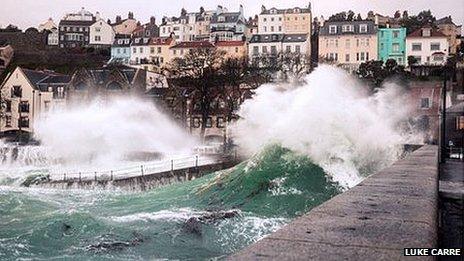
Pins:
<point x="393" y="209"/>
<point x="145" y="182"/>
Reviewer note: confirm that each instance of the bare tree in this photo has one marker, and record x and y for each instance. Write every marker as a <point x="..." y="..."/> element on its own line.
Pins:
<point x="197" y="75"/>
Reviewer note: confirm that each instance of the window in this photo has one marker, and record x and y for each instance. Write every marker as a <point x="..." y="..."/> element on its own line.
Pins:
<point x="8" y="106"/>
<point x="435" y="46"/>
<point x="347" y="57"/>
<point x="460" y="123"/>
<point x="438" y="58"/>
<point x="367" y="56"/>
<point x="134" y="50"/>
<point x="46" y="106"/>
<point x="196" y="122"/>
<point x="209" y="122"/>
<point x="297" y="49"/>
<point x="265" y="29"/>
<point x="347" y="28"/>
<point x="220" y="122"/>
<point x="363" y="28"/>
<point x="23" y="122"/>
<point x="255" y="50"/>
<point x="381" y="46"/>
<point x="416" y="46"/>
<point x="8" y="121"/>
<point x="141" y="49"/>
<point x="347" y="43"/>
<point x="332" y="29"/>
<point x="159" y="49"/>
<point x="97" y="38"/>
<point x="236" y="49"/>
<point x="362" y="56"/>
<point x="264" y="49"/>
<point x="152" y="49"/>
<point x="396" y="47"/>
<point x="280" y="28"/>
<point x="288" y="48"/>
<point x="425" y="103"/>
<point x="97" y="29"/>
<point x="396" y="34"/>
<point x="272" y="28"/>
<point x="273" y="49"/>
<point x="16" y="92"/>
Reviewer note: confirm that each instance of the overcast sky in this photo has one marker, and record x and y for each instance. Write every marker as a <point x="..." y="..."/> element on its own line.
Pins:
<point x="26" y="13"/>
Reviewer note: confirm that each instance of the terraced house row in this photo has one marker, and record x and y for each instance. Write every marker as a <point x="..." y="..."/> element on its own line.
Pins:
<point x="347" y="43"/>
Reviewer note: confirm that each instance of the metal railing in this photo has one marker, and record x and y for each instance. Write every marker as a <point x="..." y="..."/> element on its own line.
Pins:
<point x="136" y="170"/>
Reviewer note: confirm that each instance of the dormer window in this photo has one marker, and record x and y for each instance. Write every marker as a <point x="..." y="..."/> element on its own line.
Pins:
<point x="347" y="28"/>
<point x="332" y="29"/>
<point x="363" y="28"/>
<point x="426" y="32"/>
<point x="296" y="10"/>
<point x="221" y="18"/>
<point x="137" y="40"/>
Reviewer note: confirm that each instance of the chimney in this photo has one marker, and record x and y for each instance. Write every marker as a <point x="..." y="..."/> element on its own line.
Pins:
<point x="118" y="19"/>
<point x="219" y="9"/>
<point x="152" y="20"/>
<point x="241" y="9"/>
<point x="130" y="15"/>
<point x="263" y="8"/>
<point x="97" y="16"/>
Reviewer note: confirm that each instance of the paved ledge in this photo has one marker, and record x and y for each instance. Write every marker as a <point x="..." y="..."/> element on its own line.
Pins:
<point x="392" y="209"/>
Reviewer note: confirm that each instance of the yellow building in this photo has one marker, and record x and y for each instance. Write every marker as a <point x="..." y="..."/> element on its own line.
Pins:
<point x="160" y="53"/>
<point x="285" y="21"/>
<point x="183" y="48"/>
<point x="233" y="49"/>
<point x="349" y="43"/>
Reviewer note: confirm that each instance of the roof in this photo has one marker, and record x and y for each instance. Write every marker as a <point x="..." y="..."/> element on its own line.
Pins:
<point x="295" y="38"/>
<point x="140" y="41"/>
<point x="445" y="20"/>
<point x="194" y="44"/>
<point x="285" y="11"/>
<point x="266" y="38"/>
<point x="230" y="43"/>
<point x="161" y="40"/>
<point x="102" y="75"/>
<point x="122" y="21"/>
<point x="228" y="18"/>
<point x="371" y="27"/>
<point x="77" y="22"/>
<point x="433" y="33"/>
<point x="41" y="80"/>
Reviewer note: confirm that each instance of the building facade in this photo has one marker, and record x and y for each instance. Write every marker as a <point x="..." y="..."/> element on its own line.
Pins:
<point x="275" y="44"/>
<point x="149" y="29"/>
<point x="287" y="21"/>
<point x="121" y="49"/>
<point x="183" y="48"/>
<point x="160" y="53"/>
<point x="29" y="95"/>
<point x="74" y="29"/>
<point x="101" y="33"/>
<point x="392" y="44"/>
<point x="452" y="31"/>
<point x="140" y="51"/>
<point x="233" y="49"/>
<point x="177" y="27"/>
<point x="428" y="46"/>
<point x="349" y="43"/>
<point x="126" y="26"/>
<point x="228" y="26"/>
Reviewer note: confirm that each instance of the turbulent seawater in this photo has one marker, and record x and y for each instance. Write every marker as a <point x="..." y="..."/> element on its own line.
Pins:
<point x="269" y="190"/>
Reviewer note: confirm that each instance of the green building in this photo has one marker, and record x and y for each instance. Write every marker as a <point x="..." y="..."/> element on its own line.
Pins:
<point x="392" y="44"/>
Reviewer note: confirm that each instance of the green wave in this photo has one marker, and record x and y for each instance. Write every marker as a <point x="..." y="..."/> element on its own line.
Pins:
<point x="267" y="191"/>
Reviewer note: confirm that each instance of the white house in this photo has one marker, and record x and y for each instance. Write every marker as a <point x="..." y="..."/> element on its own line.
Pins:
<point x="101" y="33"/>
<point x="178" y="26"/>
<point x="140" y="51"/>
<point x="428" y="46"/>
<point x="28" y="95"/>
